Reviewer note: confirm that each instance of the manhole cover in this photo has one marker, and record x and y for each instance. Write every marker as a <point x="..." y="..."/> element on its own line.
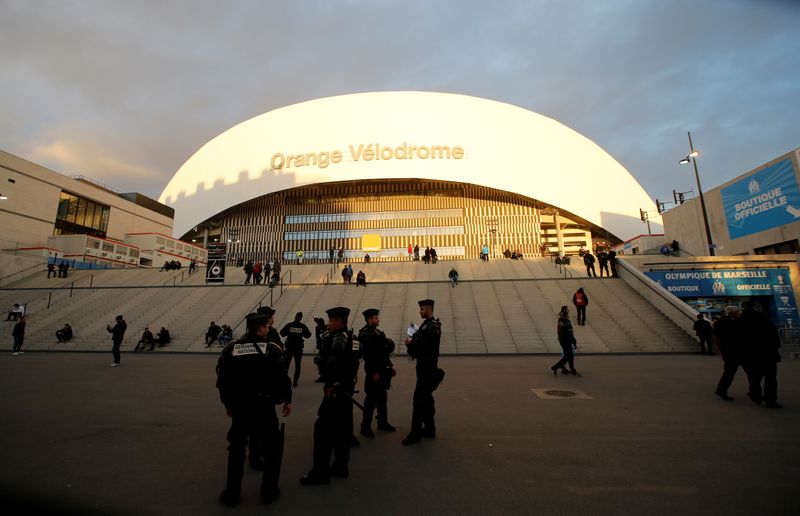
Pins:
<point x="560" y="394"/>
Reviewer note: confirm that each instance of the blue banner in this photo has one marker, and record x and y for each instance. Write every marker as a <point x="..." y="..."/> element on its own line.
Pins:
<point x="775" y="283"/>
<point x="764" y="200"/>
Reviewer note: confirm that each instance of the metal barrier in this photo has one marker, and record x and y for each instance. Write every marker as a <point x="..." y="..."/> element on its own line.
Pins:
<point x="790" y="340"/>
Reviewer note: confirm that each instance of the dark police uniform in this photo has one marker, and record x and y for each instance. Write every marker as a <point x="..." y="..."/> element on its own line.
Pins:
<point x="333" y="429"/>
<point x="424" y="348"/>
<point x="295" y="332"/>
<point x="251" y="380"/>
<point x="376" y="349"/>
<point x="729" y="341"/>
<point x="760" y="355"/>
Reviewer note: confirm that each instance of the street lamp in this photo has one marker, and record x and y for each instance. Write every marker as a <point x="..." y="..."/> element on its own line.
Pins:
<point x="685" y="161"/>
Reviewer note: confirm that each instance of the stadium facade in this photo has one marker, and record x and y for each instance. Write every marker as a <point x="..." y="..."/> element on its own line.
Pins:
<point x="375" y="172"/>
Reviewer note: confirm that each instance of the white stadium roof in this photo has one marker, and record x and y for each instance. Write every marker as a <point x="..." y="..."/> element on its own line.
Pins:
<point x="411" y="135"/>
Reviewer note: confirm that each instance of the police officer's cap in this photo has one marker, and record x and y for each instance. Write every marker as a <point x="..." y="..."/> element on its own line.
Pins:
<point x="425" y="302"/>
<point x="256" y="320"/>
<point x="266" y="311"/>
<point x="370" y="312"/>
<point x="340" y="312"/>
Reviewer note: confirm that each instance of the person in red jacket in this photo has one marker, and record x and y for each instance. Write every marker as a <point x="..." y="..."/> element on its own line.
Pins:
<point x="581" y="301"/>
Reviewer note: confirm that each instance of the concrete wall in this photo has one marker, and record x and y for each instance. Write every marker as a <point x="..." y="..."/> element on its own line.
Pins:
<point x="684" y="223"/>
<point x="28" y="215"/>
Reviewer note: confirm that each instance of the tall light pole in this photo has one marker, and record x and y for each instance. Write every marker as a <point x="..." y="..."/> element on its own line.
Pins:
<point x="693" y="158"/>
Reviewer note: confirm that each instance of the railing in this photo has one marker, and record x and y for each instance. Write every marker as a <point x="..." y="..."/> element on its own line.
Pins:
<point x="790" y="340"/>
<point x="563" y="269"/>
<point x="27" y="269"/>
<point x="671" y="306"/>
<point x="71" y="289"/>
<point x="271" y="293"/>
<point x="175" y="279"/>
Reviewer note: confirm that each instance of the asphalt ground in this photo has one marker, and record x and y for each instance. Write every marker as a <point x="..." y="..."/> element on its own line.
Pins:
<point x="149" y="438"/>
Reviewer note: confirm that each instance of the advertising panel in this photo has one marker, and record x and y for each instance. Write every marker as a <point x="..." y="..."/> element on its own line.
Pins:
<point x="215" y="272"/>
<point x="764" y="200"/>
<point x="733" y="282"/>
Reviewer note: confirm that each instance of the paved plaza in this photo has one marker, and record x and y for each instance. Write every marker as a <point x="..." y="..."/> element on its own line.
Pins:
<point x="644" y="434"/>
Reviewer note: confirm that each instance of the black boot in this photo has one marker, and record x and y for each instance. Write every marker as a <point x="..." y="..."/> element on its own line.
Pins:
<point x="315" y="479"/>
<point x="386" y="427"/>
<point x="229" y="498"/>
<point x="366" y="431"/>
<point x="412" y="438"/>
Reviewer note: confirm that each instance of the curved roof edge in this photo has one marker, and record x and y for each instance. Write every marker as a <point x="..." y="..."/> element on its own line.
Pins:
<point x="441" y="136"/>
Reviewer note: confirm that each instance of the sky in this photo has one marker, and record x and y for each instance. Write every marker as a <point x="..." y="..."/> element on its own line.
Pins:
<point x="125" y="92"/>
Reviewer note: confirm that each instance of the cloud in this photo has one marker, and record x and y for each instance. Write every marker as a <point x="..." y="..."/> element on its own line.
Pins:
<point x="130" y="90"/>
<point x="84" y="157"/>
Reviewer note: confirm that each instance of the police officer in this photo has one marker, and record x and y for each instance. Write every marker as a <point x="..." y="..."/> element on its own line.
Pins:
<point x="251" y="380"/>
<point x="333" y="429"/>
<point x="295" y="332"/>
<point x="760" y="355"/>
<point x="320" y="328"/>
<point x="376" y="349"/>
<point x="423" y="347"/>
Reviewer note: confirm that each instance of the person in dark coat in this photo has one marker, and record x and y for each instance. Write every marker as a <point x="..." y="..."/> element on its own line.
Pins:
<point x="423" y="346"/>
<point x="602" y="258"/>
<point x="566" y="338"/>
<point x="322" y="355"/>
<point x="333" y="430"/>
<point x="212" y="333"/>
<point x="117" y="334"/>
<point x="295" y="332"/>
<point x="164" y="337"/>
<point x="702" y="328"/>
<point x="760" y="353"/>
<point x="581" y="300"/>
<point x="64" y="334"/>
<point x="51" y="269"/>
<point x="252" y="380"/>
<point x="729" y="342"/>
<point x="612" y="260"/>
<point x="377" y="349"/>
<point x="588" y="261"/>
<point x="18" y="333"/>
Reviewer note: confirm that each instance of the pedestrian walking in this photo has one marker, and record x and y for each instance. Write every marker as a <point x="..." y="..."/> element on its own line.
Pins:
<point x="294" y="333"/>
<point x="727" y="334"/>
<point x="761" y="354"/>
<point x="566" y="338"/>
<point x="581" y="300"/>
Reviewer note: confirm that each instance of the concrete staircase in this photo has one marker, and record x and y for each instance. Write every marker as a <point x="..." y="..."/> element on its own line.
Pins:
<point x="503" y="306"/>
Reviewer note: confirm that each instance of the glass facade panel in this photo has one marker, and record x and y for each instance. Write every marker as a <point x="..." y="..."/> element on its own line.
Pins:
<point x="384" y="232"/>
<point x="78" y="216"/>
<point x="368" y="216"/>
<point x="89" y="214"/>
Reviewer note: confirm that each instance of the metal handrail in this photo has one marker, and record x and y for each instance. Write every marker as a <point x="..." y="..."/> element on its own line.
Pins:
<point x="27" y="269"/>
<point x="272" y="298"/>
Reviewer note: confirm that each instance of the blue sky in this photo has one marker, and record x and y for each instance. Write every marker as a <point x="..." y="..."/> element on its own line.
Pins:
<point x="125" y="92"/>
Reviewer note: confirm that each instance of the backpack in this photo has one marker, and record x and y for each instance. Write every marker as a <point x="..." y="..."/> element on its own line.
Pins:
<point x="580" y="299"/>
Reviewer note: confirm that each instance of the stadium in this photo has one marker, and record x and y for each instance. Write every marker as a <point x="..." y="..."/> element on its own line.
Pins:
<point x="377" y="172"/>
